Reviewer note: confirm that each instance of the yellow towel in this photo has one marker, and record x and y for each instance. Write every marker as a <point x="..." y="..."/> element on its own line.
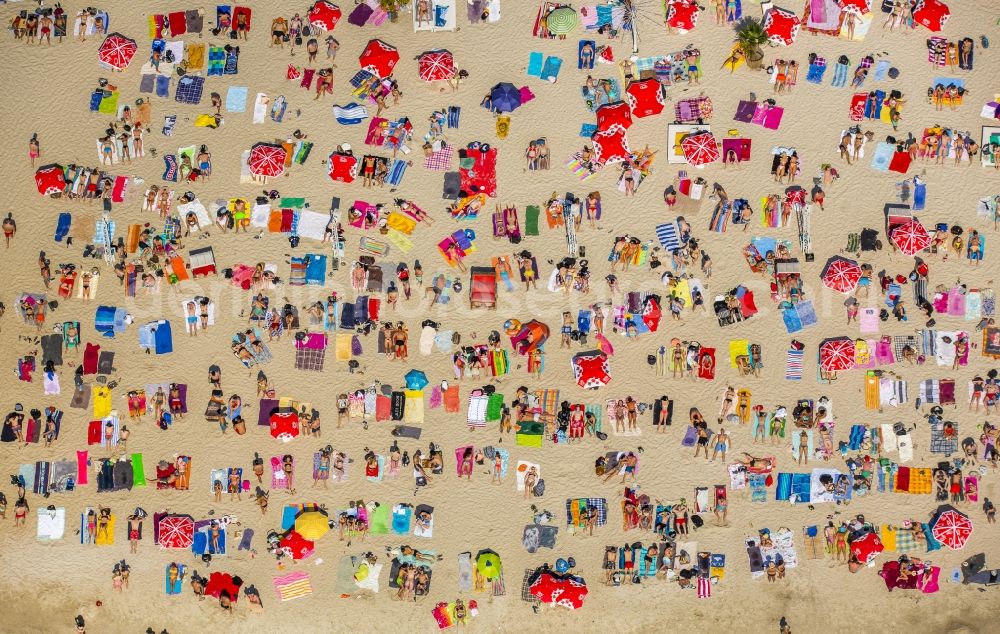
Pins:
<point x="108" y="538"/>
<point x="737" y="347"/>
<point x="195" y="56"/>
<point x="403" y="243"/>
<point x="889" y="538"/>
<point x="683" y="290"/>
<point x="920" y="481"/>
<point x="401" y="222"/>
<point x="343" y="347"/>
<point x="413" y="413"/>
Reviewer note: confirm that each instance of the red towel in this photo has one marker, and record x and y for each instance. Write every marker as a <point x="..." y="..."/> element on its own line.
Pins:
<point x="178" y="23"/>
<point x="706" y="364"/>
<point x="307" y="78"/>
<point x="903" y="479"/>
<point x="81" y="467"/>
<point x="900" y="162"/>
<point x="287" y="217"/>
<point x="118" y="191"/>
<point x="373" y="304"/>
<point x="94" y="432"/>
<point x="858" y="101"/>
<point x="90" y="354"/>
<point x="383" y="407"/>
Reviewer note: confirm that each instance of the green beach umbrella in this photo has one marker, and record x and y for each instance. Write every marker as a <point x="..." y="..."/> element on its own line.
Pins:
<point x="488" y="564"/>
<point x="562" y="21"/>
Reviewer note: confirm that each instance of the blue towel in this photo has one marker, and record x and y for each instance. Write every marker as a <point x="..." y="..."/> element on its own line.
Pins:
<point x="784" y="489"/>
<point x="163" y="85"/>
<point x="164" y="340"/>
<point x="236" y="99"/>
<point x="579" y="54"/>
<point x="588" y="130"/>
<point x="63" y="225"/>
<point x="791" y="319"/>
<point x="551" y="68"/>
<point x="441" y="15"/>
<point x="806" y="313"/>
<point x="454" y="113"/>
<point x="535" y="60"/>
<point x="816" y="73"/>
<point x="801" y="487"/>
<point x="95" y="100"/>
<point x="288" y="517"/>
<point x="583" y="321"/>
<point x="883" y="156"/>
<point x="603" y="14"/>
<point x="232" y="62"/>
<point x="316" y="269"/>
<point x="396" y="172"/>
<point x="881" y="69"/>
<point x="919" y="196"/>
<point x="839" y="76"/>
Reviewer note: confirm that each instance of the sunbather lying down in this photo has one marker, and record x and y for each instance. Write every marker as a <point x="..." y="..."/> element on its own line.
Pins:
<point x="755" y="463"/>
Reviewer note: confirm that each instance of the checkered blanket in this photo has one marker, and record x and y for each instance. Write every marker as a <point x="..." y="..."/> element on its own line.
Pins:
<point x="189" y="89"/>
<point x="901" y="341"/>
<point x="440" y="161"/>
<point x="309" y="359"/>
<point x="526" y="587"/>
<point x="648" y="63"/>
<point x="906" y="541"/>
<point x="941" y="444"/>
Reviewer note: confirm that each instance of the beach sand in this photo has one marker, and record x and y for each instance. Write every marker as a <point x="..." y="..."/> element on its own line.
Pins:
<point x="45" y="91"/>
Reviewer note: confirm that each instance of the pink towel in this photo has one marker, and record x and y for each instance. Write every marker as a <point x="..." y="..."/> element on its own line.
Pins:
<point x="883" y="353"/>
<point x="956" y="303"/>
<point x="941" y="302"/>
<point x="436" y="399"/>
<point x="526" y="94"/>
<point x="773" y="118"/>
<point x="868" y="319"/>
<point x="81" y="467"/>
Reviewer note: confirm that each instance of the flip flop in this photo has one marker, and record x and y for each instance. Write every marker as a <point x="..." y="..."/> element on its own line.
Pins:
<point x="984" y="41"/>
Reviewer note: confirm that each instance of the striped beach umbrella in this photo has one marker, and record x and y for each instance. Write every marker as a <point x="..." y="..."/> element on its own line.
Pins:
<point x="562" y="21"/>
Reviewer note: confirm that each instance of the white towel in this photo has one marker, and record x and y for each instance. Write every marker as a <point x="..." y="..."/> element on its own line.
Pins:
<point x="260" y="107"/>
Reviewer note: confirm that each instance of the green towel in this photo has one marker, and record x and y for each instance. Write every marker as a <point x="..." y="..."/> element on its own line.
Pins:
<point x="378" y="521"/>
<point x="138" y="472"/>
<point x="109" y="105"/>
<point x="494" y="407"/>
<point x="531" y="214"/>
<point x="598" y="411"/>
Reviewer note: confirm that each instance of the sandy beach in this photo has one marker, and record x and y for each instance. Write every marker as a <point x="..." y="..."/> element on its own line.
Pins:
<point x="47" y="91"/>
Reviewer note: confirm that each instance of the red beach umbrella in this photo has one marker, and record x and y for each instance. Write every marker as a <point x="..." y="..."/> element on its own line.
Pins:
<point x="176" y="531"/>
<point x="324" y="15"/>
<point x="591" y="369"/>
<point x="700" y="148"/>
<point x="842" y="275"/>
<point x="299" y="546"/>
<point x="566" y="591"/>
<point x="857" y="7"/>
<point x="644" y="97"/>
<point x="379" y="57"/>
<point x="116" y="51"/>
<point x="782" y="25"/>
<point x="267" y="159"/>
<point x="343" y="168"/>
<point x="284" y="425"/>
<point x="611" y="145"/>
<point x="932" y="14"/>
<point x="436" y="65"/>
<point x="952" y="527"/>
<point x="682" y="14"/>
<point x="617" y="113"/>
<point x="836" y="354"/>
<point x="911" y="237"/>
<point x="50" y="179"/>
<point x="866" y="548"/>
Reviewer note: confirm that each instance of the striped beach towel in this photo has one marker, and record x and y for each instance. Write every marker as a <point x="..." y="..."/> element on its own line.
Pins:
<point x="293" y="586"/>
<point x="704" y="587"/>
<point x="350" y="114"/>
<point x="667" y="235"/>
<point x="793" y="366"/>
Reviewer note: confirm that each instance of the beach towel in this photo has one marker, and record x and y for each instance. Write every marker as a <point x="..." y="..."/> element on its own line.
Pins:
<point x="535" y="60"/>
<point x="293" y="586"/>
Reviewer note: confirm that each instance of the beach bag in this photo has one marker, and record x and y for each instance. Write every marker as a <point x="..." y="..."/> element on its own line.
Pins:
<point x="601" y="435"/>
<point x="298" y="41"/>
<point x="539" y="489"/>
<point x="697" y="521"/>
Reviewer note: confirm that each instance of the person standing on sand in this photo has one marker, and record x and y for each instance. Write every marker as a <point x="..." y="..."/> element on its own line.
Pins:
<point x="9" y="228"/>
<point x="34" y="149"/>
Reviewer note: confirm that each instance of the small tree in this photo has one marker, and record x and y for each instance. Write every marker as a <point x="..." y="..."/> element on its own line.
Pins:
<point x="750" y="35"/>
